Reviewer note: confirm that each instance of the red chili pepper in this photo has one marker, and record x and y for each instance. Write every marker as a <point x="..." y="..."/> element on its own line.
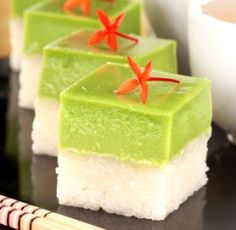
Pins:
<point x="110" y="32"/>
<point x="129" y="85"/>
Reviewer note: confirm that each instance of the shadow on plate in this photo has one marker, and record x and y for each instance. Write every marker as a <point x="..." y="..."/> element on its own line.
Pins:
<point x="8" y="132"/>
<point x="37" y="175"/>
<point x="220" y="210"/>
<point x="44" y="182"/>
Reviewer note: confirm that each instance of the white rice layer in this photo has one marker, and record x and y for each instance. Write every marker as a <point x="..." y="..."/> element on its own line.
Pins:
<point x="94" y="182"/>
<point x="29" y="80"/>
<point x="16" y="29"/>
<point x="45" y="127"/>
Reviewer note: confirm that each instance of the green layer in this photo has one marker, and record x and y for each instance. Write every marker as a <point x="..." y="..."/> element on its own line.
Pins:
<point x="70" y="59"/>
<point x="19" y="6"/>
<point x="46" y="22"/>
<point x="95" y="120"/>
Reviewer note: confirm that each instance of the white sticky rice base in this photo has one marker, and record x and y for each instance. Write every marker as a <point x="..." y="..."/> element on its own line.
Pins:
<point x="94" y="182"/>
<point x="45" y="127"/>
<point x="29" y="80"/>
<point x="16" y="30"/>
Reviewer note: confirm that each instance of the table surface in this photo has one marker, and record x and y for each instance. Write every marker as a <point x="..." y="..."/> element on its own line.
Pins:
<point x="32" y="178"/>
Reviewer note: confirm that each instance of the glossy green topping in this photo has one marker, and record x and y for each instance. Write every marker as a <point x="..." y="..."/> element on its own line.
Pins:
<point x="79" y="42"/>
<point x="71" y="58"/>
<point x="47" y="22"/>
<point x="19" y="6"/>
<point x="93" y="119"/>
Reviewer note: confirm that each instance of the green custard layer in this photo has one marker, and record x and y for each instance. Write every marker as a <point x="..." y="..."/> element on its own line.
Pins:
<point x="70" y="59"/>
<point x="46" y="22"/>
<point x="94" y="120"/>
<point x="19" y="6"/>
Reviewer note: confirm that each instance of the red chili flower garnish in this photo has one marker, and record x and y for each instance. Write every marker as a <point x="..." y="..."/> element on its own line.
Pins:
<point x="130" y="85"/>
<point x="110" y="32"/>
<point x="83" y="4"/>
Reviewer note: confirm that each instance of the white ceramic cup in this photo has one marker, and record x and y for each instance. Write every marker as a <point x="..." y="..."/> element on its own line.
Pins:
<point x="212" y="52"/>
<point x="169" y="20"/>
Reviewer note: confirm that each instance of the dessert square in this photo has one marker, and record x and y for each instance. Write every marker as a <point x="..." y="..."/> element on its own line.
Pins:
<point x="130" y="158"/>
<point x="47" y="21"/>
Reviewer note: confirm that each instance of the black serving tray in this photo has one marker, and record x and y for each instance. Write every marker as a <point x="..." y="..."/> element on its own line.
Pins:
<point x="32" y="178"/>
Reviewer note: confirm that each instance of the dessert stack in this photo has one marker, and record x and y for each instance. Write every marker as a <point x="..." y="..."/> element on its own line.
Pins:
<point x="129" y="139"/>
<point x="128" y="157"/>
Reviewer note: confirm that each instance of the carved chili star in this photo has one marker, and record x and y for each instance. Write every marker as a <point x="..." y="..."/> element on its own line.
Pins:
<point x="110" y="32"/>
<point x="130" y="85"/>
<point x="85" y="5"/>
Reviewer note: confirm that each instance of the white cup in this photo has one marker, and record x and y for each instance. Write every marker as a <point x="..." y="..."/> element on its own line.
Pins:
<point x="169" y="20"/>
<point x="212" y="52"/>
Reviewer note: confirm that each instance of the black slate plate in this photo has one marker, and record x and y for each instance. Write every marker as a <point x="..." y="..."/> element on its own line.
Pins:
<point x="32" y="178"/>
